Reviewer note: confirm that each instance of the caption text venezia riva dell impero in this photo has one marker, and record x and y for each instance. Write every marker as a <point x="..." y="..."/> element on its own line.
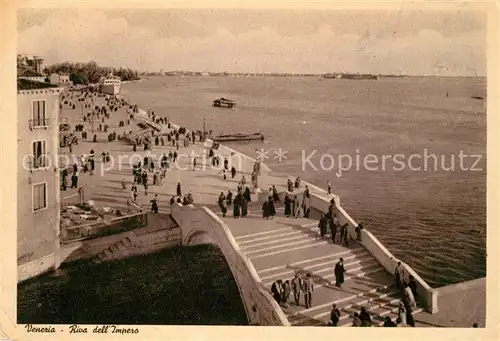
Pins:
<point x="76" y="329"/>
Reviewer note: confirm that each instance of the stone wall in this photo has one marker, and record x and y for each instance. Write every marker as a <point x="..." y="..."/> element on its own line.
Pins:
<point x="104" y="228"/>
<point x="202" y="226"/>
<point x="36" y="267"/>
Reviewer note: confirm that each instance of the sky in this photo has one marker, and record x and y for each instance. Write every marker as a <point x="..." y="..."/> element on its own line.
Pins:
<point x="451" y="43"/>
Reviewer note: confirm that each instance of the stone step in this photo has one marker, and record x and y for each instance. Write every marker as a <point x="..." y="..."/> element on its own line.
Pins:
<point x="350" y="262"/>
<point x="378" y="321"/>
<point x="313" y="262"/>
<point x="322" y="311"/>
<point x="357" y="271"/>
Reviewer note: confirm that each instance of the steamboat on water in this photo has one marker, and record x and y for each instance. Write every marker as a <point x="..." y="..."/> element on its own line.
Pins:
<point x="110" y="85"/>
<point x="224" y="102"/>
<point x="238" y="137"/>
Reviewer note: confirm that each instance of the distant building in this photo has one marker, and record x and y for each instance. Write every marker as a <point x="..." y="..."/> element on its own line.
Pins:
<point x="59" y="79"/>
<point x="35" y="62"/>
<point x="38" y="187"/>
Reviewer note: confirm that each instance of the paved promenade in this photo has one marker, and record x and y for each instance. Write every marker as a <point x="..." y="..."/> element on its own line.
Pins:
<point x="278" y="248"/>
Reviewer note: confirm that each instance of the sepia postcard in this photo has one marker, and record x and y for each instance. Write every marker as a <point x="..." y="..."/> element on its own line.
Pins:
<point x="174" y="168"/>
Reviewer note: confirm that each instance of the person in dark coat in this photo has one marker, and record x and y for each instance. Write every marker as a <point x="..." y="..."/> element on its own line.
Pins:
<point x="334" y="223"/>
<point x="74" y="180"/>
<point x="409" y="315"/>
<point x="226" y="164"/>
<point x="276" y="197"/>
<point x="287" y="205"/>
<point x="265" y="209"/>
<point x="286" y="293"/>
<point x="322" y="226"/>
<point x="172" y="200"/>
<point x="276" y="290"/>
<point x="154" y="204"/>
<point x="179" y="192"/>
<point x="388" y="322"/>
<point x="334" y="315"/>
<point x="236" y="206"/>
<point x="339" y="272"/>
<point x="294" y="205"/>
<point x="233" y="172"/>
<point x="247" y="195"/>
<point x="366" y="320"/>
<point x="359" y="228"/>
<point x="344" y="237"/>
<point x="229" y="198"/>
<point x="272" y="209"/>
<point x="222" y="204"/>
<point x="244" y="206"/>
<point x="413" y="286"/>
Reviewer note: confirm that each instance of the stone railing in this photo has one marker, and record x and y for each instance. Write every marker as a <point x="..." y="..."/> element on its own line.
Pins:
<point x="104" y="228"/>
<point x="202" y="226"/>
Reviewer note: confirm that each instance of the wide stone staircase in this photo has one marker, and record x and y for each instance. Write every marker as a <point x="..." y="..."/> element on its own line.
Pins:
<point x="281" y="247"/>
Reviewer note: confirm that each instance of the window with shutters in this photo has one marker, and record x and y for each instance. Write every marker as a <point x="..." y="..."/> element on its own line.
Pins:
<point x="39" y="159"/>
<point x="38" y="117"/>
<point x="39" y="196"/>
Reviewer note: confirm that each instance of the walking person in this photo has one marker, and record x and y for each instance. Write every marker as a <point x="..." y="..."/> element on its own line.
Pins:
<point x="334" y="223"/>
<point x="359" y="228"/>
<point x="265" y="210"/>
<point x="272" y="209"/>
<point x="413" y="286"/>
<point x="296" y="288"/>
<point x="276" y="290"/>
<point x="286" y="293"/>
<point x="366" y="320"/>
<point x="356" y="321"/>
<point x="222" y="204"/>
<point x="322" y="226"/>
<point x="154" y="204"/>
<point x="179" y="192"/>
<point x="399" y="276"/>
<point x="401" y="320"/>
<point x="329" y="184"/>
<point x="287" y="205"/>
<point x="339" y="272"/>
<point x="74" y="180"/>
<point x="409" y="298"/>
<point x="334" y="316"/>
<point x="308" y="290"/>
<point x="344" y="236"/>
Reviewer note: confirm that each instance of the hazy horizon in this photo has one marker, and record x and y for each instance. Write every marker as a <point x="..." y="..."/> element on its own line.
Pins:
<point x="444" y="43"/>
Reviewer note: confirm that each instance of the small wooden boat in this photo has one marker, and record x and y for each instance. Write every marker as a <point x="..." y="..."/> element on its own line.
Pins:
<point x="224" y="102"/>
<point x="239" y="137"/>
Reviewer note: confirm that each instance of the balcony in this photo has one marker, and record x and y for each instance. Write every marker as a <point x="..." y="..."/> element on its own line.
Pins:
<point x="39" y="123"/>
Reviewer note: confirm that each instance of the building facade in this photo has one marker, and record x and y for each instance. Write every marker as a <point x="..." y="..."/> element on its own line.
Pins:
<point x="38" y="208"/>
<point x="59" y="79"/>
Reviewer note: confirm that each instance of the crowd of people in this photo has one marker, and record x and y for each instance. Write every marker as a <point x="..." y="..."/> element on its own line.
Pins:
<point x="300" y="286"/>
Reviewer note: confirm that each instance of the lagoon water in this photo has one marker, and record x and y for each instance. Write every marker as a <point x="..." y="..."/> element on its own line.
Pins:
<point x="432" y="216"/>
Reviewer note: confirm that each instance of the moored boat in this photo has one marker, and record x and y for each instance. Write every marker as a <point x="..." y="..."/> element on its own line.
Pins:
<point x="224" y="102"/>
<point x="239" y="137"/>
<point x="110" y="85"/>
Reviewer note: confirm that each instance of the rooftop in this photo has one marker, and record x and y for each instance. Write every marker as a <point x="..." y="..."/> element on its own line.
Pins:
<point x="23" y="71"/>
<point x="25" y="84"/>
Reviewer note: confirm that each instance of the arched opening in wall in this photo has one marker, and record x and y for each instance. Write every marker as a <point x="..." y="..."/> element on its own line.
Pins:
<point x="179" y="286"/>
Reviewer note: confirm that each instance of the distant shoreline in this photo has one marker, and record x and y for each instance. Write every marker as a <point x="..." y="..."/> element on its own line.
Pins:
<point x="284" y="75"/>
